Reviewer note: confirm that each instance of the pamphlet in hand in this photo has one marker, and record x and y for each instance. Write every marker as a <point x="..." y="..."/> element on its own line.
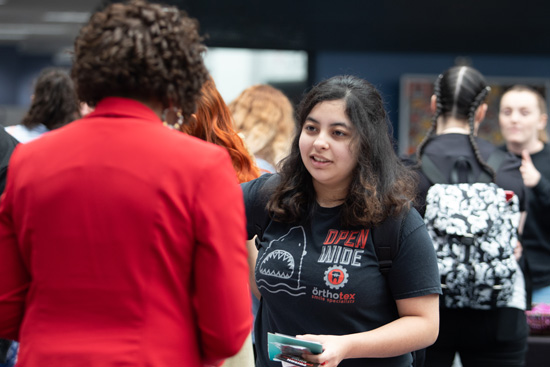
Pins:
<point x="288" y="349"/>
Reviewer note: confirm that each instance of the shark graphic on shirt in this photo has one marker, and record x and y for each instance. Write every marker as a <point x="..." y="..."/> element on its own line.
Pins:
<point x="281" y="263"/>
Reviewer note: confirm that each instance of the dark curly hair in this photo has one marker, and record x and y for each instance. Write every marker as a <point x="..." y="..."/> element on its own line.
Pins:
<point x="54" y="102"/>
<point x="143" y="51"/>
<point x="381" y="185"/>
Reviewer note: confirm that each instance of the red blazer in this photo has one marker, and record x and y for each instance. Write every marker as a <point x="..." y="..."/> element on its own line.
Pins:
<point x="122" y="243"/>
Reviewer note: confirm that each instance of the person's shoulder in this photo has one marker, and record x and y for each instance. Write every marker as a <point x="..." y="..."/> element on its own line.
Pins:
<point x="183" y="144"/>
<point x="7" y="141"/>
<point x="18" y="132"/>
<point x="265" y="182"/>
<point x="411" y="222"/>
<point x="408" y="159"/>
<point x="260" y="189"/>
<point x="265" y="166"/>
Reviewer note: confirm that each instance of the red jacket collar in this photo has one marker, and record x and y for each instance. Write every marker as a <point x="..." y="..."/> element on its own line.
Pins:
<point x="123" y="107"/>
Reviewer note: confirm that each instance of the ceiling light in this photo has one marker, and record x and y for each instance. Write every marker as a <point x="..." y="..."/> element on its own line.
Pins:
<point x="12" y="37"/>
<point x="66" y="16"/>
<point x="36" y="29"/>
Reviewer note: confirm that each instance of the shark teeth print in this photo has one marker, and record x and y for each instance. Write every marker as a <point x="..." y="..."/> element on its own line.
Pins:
<point x="278" y="264"/>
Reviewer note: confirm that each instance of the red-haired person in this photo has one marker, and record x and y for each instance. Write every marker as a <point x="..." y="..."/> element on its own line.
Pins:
<point x="212" y="122"/>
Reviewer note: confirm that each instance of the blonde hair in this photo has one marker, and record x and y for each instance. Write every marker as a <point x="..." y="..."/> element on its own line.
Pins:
<point x="264" y="116"/>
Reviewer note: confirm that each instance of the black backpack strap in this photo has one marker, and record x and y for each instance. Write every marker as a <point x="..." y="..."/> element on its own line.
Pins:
<point x="386" y="237"/>
<point x="495" y="160"/>
<point x="431" y="171"/>
<point x="433" y="174"/>
<point x="264" y="194"/>
<point x="462" y="171"/>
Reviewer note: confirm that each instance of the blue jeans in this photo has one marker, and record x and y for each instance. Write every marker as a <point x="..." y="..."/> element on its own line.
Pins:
<point x="541" y="295"/>
<point x="12" y="355"/>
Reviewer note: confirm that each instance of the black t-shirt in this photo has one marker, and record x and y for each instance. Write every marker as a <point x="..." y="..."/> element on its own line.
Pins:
<point x="444" y="149"/>
<point x="316" y="277"/>
<point x="7" y="145"/>
<point x="536" y="232"/>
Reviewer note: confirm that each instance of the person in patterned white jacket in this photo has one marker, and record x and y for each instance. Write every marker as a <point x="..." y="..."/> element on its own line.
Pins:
<point x="488" y="337"/>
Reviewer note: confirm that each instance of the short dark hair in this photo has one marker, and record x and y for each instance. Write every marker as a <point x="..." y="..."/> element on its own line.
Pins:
<point x="381" y="184"/>
<point x="142" y="51"/>
<point x="54" y="102"/>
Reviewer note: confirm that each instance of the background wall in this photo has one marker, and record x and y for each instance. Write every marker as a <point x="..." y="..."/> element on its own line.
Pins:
<point x="383" y="69"/>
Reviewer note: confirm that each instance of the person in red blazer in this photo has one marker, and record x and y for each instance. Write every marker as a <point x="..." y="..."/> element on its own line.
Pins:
<point x="122" y="241"/>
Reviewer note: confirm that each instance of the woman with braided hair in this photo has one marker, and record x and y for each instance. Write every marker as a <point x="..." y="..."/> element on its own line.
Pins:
<point x="482" y="337"/>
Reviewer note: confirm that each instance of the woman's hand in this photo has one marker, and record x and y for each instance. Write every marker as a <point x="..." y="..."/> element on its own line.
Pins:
<point x="531" y="176"/>
<point x="334" y="349"/>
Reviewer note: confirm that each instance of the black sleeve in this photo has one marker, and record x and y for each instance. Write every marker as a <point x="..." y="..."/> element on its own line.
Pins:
<point x="414" y="270"/>
<point x="256" y="195"/>
<point x="7" y="145"/>
<point x="542" y="191"/>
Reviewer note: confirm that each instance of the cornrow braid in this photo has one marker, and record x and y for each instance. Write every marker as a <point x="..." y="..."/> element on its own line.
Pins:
<point x="471" y="137"/>
<point x="433" y="127"/>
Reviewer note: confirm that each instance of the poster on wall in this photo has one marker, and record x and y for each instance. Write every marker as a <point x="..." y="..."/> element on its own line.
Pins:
<point x="415" y="115"/>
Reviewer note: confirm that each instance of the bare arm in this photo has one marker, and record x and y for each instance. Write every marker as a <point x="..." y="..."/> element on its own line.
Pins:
<point x="252" y="257"/>
<point x="416" y="328"/>
<point x="518" y="249"/>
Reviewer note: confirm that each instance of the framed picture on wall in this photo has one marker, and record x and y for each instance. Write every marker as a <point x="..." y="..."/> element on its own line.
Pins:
<point x="415" y="115"/>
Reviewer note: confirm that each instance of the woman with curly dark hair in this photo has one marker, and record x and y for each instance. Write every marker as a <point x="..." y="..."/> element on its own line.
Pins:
<point x="315" y="224"/>
<point x="54" y="104"/>
<point x="123" y="241"/>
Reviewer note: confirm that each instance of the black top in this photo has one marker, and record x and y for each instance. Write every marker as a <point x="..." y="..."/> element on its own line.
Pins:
<point x="536" y="233"/>
<point x="7" y="145"/>
<point x="316" y="277"/>
<point x="444" y="149"/>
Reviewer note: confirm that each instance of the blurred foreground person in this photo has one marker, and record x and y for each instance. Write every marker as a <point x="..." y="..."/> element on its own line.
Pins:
<point x="122" y="241"/>
<point x="523" y="118"/>
<point x="212" y="122"/>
